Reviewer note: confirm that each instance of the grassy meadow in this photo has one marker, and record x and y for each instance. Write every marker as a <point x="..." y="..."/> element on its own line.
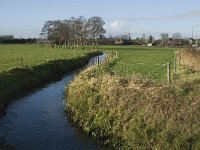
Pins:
<point x="146" y="61"/>
<point x="149" y="62"/>
<point x="32" y="55"/>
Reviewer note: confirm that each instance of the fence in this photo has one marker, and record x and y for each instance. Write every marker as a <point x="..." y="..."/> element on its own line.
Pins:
<point x="7" y="64"/>
<point x="176" y="65"/>
<point x="170" y="67"/>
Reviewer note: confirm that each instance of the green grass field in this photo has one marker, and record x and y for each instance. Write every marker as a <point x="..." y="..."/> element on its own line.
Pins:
<point x="147" y="61"/>
<point x="10" y="55"/>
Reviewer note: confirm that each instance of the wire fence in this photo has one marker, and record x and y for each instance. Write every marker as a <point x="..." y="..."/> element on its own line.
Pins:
<point x="169" y="68"/>
<point x="8" y="64"/>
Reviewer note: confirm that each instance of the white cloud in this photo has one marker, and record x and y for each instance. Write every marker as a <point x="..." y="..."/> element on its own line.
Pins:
<point x="153" y="24"/>
<point x="117" y="24"/>
<point x="195" y="13"/>
<point x="118" y="27"/>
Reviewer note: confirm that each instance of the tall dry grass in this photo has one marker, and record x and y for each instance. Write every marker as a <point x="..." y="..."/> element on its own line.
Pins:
<point x="190" y="58"/>
<point x="133" y="113"/>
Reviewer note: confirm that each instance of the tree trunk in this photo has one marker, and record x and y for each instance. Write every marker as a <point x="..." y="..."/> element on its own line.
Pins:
<point x="81" y="41"/>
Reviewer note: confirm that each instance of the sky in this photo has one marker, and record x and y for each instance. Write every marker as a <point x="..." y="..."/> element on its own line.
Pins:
<point x="25" y="18"/>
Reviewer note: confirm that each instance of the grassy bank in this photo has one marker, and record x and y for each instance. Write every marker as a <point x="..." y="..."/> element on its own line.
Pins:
<point x="15" y="82"/>
<point x="132" y="112"/>
<point x="19" y="55"/>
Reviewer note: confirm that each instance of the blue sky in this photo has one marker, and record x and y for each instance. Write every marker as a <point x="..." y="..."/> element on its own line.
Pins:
<point x="25" y="18"/>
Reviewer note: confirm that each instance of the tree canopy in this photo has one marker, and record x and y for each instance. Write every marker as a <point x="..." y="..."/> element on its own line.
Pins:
<point x="72" y="32"/>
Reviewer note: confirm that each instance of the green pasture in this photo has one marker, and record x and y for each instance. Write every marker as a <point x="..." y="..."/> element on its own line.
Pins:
<point x="12" y="56"/>
<point x="147" y="61"/>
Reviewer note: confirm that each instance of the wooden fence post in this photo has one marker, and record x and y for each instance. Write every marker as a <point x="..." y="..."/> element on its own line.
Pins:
<point x="98" y="61"/>
<point x="168" y="73"/>
<point x="175" y="65"/>
<point x="21" y="61"/>
<point x="107" y="60"/>
<point x="116" y="54"/>
<point x="179" y="61"/>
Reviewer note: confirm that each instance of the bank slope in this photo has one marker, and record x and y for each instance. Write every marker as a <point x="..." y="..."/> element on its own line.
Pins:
<point x="134" y="113"/>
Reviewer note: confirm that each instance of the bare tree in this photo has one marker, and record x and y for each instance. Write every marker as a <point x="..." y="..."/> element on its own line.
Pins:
<point x="51" y="30"/>
<point x="94" y="27"/>
<point x="73" y="31"/>
<point x="6" y="37"/>
<point x="150" y="39"/>
<point x="80" y="34"/>
<point x="177" y="38"/>
<point x="164" y="38"/>
<point x="142" y="40"/>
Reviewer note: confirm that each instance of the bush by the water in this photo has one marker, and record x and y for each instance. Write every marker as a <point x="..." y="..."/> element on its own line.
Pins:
<point x="135" y="113"/>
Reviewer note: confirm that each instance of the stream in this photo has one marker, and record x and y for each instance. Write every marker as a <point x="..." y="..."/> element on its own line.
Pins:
<point x="37" y="121"/>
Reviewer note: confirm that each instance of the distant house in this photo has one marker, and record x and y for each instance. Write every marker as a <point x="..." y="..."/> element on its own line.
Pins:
<point x="191" y="41"/>
<point x="170" y="42"/>
<point x="149" y="44"/>
<point x="119" y="41"/>
<point x="154" y="43"/>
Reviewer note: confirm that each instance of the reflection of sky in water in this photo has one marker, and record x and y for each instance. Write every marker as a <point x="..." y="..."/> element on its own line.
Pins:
<point x="37" y="121"/>
<point x="94" y="59"/>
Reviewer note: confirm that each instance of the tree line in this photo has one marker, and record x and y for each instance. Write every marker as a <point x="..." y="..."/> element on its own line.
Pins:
<point x="176" y="40"/>
<point x="10" y="39"/>
<point x="73" y="32"/>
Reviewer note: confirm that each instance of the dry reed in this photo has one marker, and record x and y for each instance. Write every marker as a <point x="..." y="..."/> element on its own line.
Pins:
<point x="133" y="113"/>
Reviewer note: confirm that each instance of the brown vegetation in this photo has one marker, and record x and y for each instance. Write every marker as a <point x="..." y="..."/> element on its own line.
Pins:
<point x="133" y="113"/>
<point x="190" y="58"/>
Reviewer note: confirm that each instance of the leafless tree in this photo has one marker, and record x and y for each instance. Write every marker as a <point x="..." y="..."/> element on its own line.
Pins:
<point x="142" y="40"/>
<point x="177" y="38"/>
<point x="164" y="38"/>
<point x="72" y="32"/>
<point x="150" y="39"/>
<point x="94" y="27"/>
